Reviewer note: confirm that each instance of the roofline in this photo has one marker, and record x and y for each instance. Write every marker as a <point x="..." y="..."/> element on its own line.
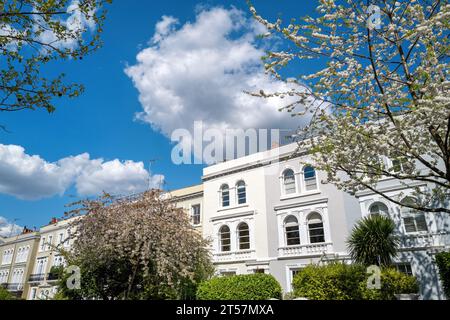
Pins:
<point x="255" y="164"/>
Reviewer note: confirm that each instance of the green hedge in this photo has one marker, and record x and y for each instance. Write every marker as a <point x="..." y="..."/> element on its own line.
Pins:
<point x="339" y="281"/>
<point x="443" y="263"/>
<point x="392" y="282"/>
<point x="5" y="294"/>
<point x="242" y="287"/>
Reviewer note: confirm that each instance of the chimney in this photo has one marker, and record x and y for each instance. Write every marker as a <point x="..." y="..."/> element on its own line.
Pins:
<point x="26" y="230"/>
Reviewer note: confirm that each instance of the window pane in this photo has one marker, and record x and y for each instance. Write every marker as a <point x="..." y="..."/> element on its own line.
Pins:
<point x="244" y="236"/>
<point x="310" y="178"/>
<point x="241" y="193"/>
<point x="225" y="198"/>
<point x="379" y="209"/>
<point x="292" y="235"/>
<point x="409" y="224"/>
<point x="289" y="182"/>
<point x="196" y="214"/>
<point x="421" y="223"/>
<point x="315" y="227"/>
<point x="225" y="243"/>
<point x="405" y="268"/>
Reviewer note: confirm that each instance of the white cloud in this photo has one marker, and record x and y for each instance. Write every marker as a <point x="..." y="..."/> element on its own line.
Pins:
<point x="8" y="229"/>
<point x="31" y="177"/>
<point x="116" y="177"/>
<point x="199" y="72"/>
<point x="76" y="23"/>
<point x="163" y="28"/>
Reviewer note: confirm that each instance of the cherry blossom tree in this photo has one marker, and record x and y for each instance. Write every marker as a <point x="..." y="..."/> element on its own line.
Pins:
<point x="378" y="97"/>
<point x="33" y="35"/>
<point x="139" y="247"/>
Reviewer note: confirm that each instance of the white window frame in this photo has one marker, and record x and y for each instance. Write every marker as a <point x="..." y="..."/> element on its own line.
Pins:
<point x="221" y="192"/>
<point x="199" y="214"/>
<point x="285" y="232"/>
<point x="237" y="187"/>
<point x="220" y="239"/>
<point x="42" y="245"/>
<point x="412" y="214"/>
<point x="308" y="217"/>
<point x="239" y="236"/>
<point x="49" y="243"/>
<point x="378" y="203"/>
<point x="283" y="186"/>
<point x="305" y="189"/>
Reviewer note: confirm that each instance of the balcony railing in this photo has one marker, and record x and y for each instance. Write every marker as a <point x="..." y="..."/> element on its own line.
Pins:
<point x="305" y="250"/>
<point x="14" y="287"/>
<point x="425" y="240"/>
<point x="234" y="256"/>
<point x="37" y="277"/>
<point x="52" y="276"/>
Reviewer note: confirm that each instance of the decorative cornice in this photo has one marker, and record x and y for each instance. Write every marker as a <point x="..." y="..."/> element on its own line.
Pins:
<point x="301" y="203"/>
<point x="233" y="215"/>
<point x="397" y="187"/>
<point x="258" y="164"/>
<point x="188" y="196"/>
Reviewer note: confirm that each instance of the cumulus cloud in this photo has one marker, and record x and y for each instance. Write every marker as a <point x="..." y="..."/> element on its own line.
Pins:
<point x="31" y="177"/>
<point x="200" y="71"/>
<point x="76" y="23"/>
<point x="115" y="176"/>
<point x="8" y="229"/>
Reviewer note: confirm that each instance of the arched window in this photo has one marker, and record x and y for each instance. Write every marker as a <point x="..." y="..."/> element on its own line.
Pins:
<point x="241" y="192"/>
<point x="243" y="236"/>
<point x="292" y="231"/>
<point x="289" y="181"/>
<point x="379" y="209"/>
<point x="413" y="219"/>
<point x="309" y="174"/>
<point x="225" y="195"/>
<point x="315" y="228"/>
<point x="225" y="239"/>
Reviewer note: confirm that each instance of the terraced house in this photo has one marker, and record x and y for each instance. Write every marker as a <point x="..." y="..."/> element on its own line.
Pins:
<point x="17" y="254"/>
<point x="268" y="212"/>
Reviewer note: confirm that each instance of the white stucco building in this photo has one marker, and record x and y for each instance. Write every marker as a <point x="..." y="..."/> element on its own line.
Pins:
<point x="269" y="212"/>
<point x="266" y="212"/>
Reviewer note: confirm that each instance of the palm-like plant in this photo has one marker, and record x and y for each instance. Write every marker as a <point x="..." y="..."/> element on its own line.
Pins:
<point x="373" y="242"/>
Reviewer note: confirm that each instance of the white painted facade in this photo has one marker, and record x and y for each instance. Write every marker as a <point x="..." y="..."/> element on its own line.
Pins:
<point x="269" y="193"/>
<point x="271" y="206"/>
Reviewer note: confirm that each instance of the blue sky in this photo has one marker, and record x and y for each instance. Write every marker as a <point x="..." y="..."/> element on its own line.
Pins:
<point x="102" y="122"/>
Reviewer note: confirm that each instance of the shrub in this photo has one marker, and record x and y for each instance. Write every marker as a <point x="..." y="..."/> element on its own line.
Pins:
<point x="5" y="294"/>
<point x="335" y="281"/>
<point x="241" y="287"/>
<point x="339" y="281"/>
<point x="443" y="263"/>
<point x="392" y="282"/>
<point x="373" y="241"/>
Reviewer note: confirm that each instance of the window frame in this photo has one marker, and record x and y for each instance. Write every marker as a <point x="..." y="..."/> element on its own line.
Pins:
<point x="308" y="224"/>
<point x="221" y="238"/>
<point x="241" y="185"/>
<point x="412" y="215"/>
<point x="284" y="185"/>
<point x="286" y="232"/>
<point x="195" y="216"/>
<point x="306" y="180"/>
<point x="225" y="189"/>
<point x="378" y="203"/>
<point x="404" y="267"/>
